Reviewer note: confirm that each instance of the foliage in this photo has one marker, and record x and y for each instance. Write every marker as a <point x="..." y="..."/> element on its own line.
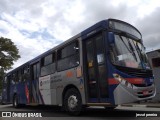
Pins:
<point x="8" y="54"/>
<point x="1" y="78"/>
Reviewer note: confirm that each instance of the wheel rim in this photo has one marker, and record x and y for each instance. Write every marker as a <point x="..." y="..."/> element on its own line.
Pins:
<point x="72" y="102"/>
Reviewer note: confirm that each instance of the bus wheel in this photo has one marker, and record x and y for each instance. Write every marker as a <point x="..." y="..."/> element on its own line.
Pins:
<point x="110" y="107"/>
<point x="15" y="101"/>
<point x="73" y="101"/>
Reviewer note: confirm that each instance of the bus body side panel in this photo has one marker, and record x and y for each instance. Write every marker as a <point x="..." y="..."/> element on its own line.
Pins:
<point x="52" y="86"/>
<point x="45" y="90"/>
<point x="4" y="93"/>
<point x="19" y="90"/>
<point x="7" y="90"/>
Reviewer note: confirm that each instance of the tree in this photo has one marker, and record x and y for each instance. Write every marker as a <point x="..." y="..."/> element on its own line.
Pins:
<point x="8" y="54"/>
<point x="1" y="78"/>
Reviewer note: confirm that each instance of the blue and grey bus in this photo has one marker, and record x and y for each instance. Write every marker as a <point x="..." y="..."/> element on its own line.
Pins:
<point x="104" y="65"/>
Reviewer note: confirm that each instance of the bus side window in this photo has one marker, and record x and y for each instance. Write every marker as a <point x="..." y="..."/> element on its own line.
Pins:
<point x="5" y="80"/>
<point x="48" y="65"/>
<point x="68" y="56"/>
<point x="36" y="71"/>
<point x="19" y="76"/>
<point x="48" y="59"/>
<point x="14" y="77"/>
<point x="25" y="74"/>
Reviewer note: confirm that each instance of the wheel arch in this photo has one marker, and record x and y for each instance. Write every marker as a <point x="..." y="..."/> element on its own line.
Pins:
<point x="14" y="94"/>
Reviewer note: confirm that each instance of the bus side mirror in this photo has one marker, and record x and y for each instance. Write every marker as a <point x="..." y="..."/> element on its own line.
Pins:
<point x="111" y="37"/>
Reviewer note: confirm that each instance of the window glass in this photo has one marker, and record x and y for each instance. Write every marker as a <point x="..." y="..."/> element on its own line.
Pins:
<point x="19" y="76"/>
<point x="46" y="70"/>
<point x="25" y="75"/>
<point x="68" y="57"/>
<point x="69" y="50"/>
<point x="14" y="77"/>
<point x="100" y="50"/>
<point x="48" y="59"/>
<point x="124" y="27"/>
<point x="48" y="65"/>
<point x="34" y="71"/>
<point x="5" y="80"/>
<point x="68" y="62"/>
<point x="125" y="53"/>
<point x="38" y="70"/>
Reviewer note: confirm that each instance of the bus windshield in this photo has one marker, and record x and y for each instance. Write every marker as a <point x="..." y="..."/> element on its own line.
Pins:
<point x="128" y="53"/>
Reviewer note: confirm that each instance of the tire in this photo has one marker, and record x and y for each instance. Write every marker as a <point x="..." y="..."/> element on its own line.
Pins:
<point x="110" y="107"/>
<point x="72" y="102"/>
<point x="15" y="101"/>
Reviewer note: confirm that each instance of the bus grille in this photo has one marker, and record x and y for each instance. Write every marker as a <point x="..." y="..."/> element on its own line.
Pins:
<point x="144" y="96"/>
<point x="141" y="95"/>
<point x="136" y="72"/>
<point x="142" y="85"/>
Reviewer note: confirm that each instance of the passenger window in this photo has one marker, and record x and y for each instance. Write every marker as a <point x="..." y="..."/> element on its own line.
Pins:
<point x="68" y="57"/>
<point x="19" y="76"/>
<point x="5" y="80"/>
<point x="48" y="59"/>
<point x="14" y="77"/>
<point x="48" y="65"/>
<point x="69" y="50"/>
<point x="25" y="73"/>
<point x="36" y="69"/>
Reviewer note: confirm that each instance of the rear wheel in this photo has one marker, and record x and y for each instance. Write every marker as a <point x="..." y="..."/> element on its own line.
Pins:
<point x="110" y="107"/>
<point x="15" y="101"/>
<point x="73" y="101"/>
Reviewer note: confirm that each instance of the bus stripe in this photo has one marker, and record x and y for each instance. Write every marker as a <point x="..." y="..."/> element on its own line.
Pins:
<point x="135" y="80"/>
<point x="113" y="81"/>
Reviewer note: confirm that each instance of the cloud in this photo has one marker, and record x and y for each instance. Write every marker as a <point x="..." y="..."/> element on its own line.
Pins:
<point x="150" y="29"/>
<point x="95" y="11"/>
<point x="36" y="26"/>
<point x="28" y="42"/>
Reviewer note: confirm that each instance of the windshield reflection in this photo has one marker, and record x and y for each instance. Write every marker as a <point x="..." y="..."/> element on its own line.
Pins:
<point x="128" y="53"/>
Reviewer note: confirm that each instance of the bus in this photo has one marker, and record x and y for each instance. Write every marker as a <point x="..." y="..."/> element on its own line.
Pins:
<point x="104" y="65"/>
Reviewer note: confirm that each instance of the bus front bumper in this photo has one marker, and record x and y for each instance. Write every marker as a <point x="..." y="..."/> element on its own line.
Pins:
<point x="123" y="95"/>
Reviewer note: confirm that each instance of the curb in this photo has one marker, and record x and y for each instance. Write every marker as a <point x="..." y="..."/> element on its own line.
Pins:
<point x="138" y="105"/>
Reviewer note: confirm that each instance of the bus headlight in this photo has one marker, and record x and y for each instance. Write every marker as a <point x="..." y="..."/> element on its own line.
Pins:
<point x="122" y="80"/>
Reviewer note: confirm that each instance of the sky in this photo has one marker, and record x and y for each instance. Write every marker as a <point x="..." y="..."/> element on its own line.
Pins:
<point x="36" y="26"/>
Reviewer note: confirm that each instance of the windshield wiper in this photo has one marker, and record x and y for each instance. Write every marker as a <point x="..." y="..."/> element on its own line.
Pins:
<point x="132" y="50"/>
<point x="131" y="47"/>
<point x="139" y="52"/>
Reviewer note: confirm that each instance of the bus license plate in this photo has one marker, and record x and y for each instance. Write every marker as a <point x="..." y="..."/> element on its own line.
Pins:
<point x="145" y="92"/>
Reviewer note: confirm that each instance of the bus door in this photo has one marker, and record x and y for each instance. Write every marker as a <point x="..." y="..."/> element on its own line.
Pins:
<point x="34" y="90"/>
<point x="95" y="69"/>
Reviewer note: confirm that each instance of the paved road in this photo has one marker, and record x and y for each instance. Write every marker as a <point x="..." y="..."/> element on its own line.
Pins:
<point x="93" y="113"/>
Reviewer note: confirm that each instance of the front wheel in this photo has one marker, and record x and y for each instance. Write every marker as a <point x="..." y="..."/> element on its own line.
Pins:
<point x="73" y="101"/>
